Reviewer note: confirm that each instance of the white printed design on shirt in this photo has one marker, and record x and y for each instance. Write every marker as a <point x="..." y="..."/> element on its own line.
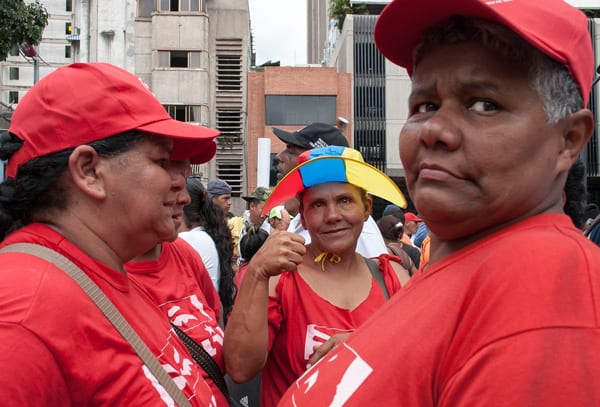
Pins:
<point x="316" y="335"/>
<point x="189" y="315"/>
<point x="346" y="372"/>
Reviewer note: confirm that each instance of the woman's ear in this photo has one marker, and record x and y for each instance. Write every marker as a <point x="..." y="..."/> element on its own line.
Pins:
<point x="578" y="131"/>
<point x="368" y="207"/>
<point x="83" y="167"/>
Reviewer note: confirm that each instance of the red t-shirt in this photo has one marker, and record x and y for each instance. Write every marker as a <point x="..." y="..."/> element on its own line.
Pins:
<point x="510" y="320"/>
<point x="180" y="285"/>
<point x="58" y="349"/>
<point x="300" y="319"/>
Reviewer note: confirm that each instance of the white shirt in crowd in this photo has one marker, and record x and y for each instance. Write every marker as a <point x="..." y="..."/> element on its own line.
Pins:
<point x="205" y="246"/>
<point x="370" y="242"/>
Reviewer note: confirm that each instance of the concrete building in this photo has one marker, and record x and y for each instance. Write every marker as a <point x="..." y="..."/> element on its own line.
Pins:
<point x="290" y="98"/>
<point x="194" y="54"/>
<point x="17" y="73"/>
<point x="317" y="30"/>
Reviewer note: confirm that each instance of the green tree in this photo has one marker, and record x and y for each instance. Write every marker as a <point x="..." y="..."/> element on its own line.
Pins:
<point x="338" y="9"/>
<point x="20" y="22"/>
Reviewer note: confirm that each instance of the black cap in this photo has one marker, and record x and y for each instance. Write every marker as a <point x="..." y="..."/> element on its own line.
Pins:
<point x="313" y="136"/>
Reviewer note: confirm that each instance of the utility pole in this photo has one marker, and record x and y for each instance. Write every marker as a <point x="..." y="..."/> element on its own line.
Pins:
<point x="36" y="61"/>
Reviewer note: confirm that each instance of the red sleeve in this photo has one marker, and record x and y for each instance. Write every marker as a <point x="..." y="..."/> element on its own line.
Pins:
<point x="29" y="372"/>
<point x="390" y="278"/>
<point x="558" y="367"/>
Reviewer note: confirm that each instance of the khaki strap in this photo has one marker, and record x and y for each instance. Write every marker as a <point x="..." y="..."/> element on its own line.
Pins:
<point x="111" y="312"/>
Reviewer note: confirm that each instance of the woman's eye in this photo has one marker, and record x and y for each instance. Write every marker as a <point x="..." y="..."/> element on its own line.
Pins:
<point x="483" y="106"/>
<point x="425" y="107"/>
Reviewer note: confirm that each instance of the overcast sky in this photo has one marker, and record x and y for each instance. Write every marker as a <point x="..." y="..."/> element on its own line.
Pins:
<point x="279" y="29"/>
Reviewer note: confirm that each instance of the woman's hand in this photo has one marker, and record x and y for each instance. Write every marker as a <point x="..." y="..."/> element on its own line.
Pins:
<point x="281" y="252"/>
<point x="328" y="345"/>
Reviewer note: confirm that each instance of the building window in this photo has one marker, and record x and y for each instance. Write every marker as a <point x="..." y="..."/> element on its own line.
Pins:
<point x="69" y="5"/>
<point x="295" y="110"/>
<point x="184" y="113"/>
<point x="146" y="7"/>
<point x="179" y="59"/>
<point x="229" y="111"/>
<point x="13" y="73"/>
<point x="13" y="97"/>
<point x="182" y="5"/>
<point x="67" y="51"/>
<point x="68" y="28"/>
<point x="229" y="72"/>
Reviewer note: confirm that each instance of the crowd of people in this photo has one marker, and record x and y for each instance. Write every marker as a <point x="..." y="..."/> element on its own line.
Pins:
<point x="126" y="280"/>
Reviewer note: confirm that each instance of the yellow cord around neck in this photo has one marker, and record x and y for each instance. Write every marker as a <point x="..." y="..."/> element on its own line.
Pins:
<point x="332" y="257"/>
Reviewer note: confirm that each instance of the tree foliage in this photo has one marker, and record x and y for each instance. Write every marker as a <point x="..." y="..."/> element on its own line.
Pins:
<point x="20" y="22"/>
<point x="338" y="9"/>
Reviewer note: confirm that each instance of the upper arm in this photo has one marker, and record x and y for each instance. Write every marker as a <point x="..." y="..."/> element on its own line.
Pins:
<point x="29" y="371"/>
<point x="543" y="367"/>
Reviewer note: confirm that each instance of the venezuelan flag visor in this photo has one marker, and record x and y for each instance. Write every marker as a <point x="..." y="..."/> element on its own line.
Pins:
<point x="334" y="164"/>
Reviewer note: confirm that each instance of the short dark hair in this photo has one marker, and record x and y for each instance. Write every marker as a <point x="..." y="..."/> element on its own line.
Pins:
<point x="38" y="186"/>
<point x="252" y="241"/>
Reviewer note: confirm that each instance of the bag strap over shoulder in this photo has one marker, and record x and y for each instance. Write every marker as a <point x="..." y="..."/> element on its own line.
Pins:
<point x="378" y="276"/>
<point x="204" y="360"/>
<point x="109" y="310"/>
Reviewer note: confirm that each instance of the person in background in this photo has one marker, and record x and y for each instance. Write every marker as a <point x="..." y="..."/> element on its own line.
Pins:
<point x="411" y="224"/>
<point x="249" y="245"/>
<point x="574" y="195"/>
<point x="208" y="233"/>
<point x="420" y="235"/>
<point x="219" y="192"/>
<point x="90" y="180"/>
<point x="590" y="212"/>
<point x="256" y="201"/>
<point x="279" y="218"/>
<point x="174" y="276"/>
<point x="506" y="311"/>
<point x="193" y="231"/>
<point x="403" y="240"/>
<point x="285" y="321"/>
<point x="253" y="216"/>
<point x="391" y="229"/>
<point x="370" y="243"/>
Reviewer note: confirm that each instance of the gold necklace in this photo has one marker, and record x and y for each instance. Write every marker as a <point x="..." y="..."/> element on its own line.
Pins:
<point x="332" y="257"/>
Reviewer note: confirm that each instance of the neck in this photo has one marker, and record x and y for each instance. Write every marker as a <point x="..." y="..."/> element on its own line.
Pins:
<point x="329" y="261"/>
<point x="151" y="254"/>
<point x="88" y="241"/>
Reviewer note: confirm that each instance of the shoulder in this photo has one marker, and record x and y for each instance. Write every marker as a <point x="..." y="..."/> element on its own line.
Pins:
<point x="236" y="223"/>
<point x="199" y="240"/>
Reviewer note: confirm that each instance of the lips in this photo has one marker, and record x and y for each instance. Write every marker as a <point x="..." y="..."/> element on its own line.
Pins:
<point x="435" y="172"/>
<point x="333" y="232"/>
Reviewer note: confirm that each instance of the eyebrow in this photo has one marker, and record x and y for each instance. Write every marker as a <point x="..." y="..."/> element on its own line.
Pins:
<point x="470" y="85"/>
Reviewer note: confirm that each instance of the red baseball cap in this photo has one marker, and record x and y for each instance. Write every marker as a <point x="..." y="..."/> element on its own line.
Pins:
<point x="411" y="217"/>
<point x="85" y="102"/>
<point x="552" y="26"/>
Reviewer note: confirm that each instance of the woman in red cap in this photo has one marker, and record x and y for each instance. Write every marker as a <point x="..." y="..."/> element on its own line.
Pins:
<point x="89" y="152"/>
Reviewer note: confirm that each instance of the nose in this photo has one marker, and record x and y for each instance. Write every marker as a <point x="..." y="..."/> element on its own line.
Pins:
<point x="178" y="181"/>
<point x="183" y="197"/>
<point x="332" y="213"/>
<point x="279" y="157"/>
<point x="440" y="131"/>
